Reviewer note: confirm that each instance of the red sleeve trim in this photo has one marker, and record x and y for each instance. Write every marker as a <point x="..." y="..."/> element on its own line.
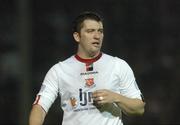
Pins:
<point x="36" y="100"/>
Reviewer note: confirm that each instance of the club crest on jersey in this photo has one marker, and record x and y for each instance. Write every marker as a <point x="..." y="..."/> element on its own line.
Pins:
<point x="89" y="66"/>
<point x="89" y="82"/>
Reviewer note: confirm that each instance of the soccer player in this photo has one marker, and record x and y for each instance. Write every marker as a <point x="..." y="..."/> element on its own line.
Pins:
<point x="95" y="88"/>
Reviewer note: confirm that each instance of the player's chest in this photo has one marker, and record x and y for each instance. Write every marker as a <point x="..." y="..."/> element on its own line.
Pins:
<point x="90" y="77"/>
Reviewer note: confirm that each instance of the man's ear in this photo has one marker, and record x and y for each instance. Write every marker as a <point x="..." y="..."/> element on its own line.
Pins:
<point x="76" y="36"/>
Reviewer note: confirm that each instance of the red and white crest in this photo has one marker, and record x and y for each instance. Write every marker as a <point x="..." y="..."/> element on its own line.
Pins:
<point x="89" y="82"/>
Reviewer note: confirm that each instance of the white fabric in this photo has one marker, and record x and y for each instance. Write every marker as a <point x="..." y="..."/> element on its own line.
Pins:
<point x="68" y="78"/>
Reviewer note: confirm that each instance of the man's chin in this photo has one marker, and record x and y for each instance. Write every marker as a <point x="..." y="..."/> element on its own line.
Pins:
<point x="94" y="53"/>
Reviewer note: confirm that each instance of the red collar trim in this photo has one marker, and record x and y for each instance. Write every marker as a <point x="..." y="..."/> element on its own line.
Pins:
<point x="88" y="60"/>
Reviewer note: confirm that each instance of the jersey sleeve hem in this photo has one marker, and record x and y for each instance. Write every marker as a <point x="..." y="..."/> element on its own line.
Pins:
<point x="44" y="102"/>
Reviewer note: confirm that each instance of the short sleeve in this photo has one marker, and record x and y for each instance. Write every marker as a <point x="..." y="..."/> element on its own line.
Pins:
<point x="49" y="90"/>
<point x="127" y="85"/>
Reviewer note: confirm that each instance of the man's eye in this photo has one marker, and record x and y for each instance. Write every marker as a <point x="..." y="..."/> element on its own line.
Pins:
<point x="101" y="31"/>
<point x="89" y="31"/>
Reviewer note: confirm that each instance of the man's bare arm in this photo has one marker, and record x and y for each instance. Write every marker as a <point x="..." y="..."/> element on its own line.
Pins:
<point x="37" y="115"/>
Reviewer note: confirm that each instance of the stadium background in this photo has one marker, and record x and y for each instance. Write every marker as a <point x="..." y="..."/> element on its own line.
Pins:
<point x="36" y="34"/>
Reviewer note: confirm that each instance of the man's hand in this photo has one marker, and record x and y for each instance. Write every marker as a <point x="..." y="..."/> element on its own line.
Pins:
<point x="104" y="96"/>
<point x="130" y="106"/>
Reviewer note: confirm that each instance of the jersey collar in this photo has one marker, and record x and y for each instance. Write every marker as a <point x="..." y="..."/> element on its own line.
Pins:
<point x="88" y="60"/>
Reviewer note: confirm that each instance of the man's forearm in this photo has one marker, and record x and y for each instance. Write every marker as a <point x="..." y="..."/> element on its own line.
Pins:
<point x="37" y="115"/>
<point x="130" y="106"/>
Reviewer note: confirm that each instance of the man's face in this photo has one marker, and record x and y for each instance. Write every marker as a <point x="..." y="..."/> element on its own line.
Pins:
<point x="90" y="37"/>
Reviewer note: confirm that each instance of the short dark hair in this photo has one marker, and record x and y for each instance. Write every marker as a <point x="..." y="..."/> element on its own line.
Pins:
<point x="77" y="23"/>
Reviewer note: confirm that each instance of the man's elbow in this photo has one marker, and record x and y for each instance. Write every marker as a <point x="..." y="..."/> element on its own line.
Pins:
<point x="137" y="111"/>
<point x="141" y="110"/>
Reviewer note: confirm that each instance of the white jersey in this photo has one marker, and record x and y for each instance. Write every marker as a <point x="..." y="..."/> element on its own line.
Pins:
<point x="75" y="79"/>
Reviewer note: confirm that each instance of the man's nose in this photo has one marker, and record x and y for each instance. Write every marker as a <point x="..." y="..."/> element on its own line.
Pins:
<point x="97" y="35"/>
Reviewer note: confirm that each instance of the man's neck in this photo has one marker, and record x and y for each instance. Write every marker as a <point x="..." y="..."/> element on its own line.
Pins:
<point x="88" y="60"/>
<point x="88" y="56"/>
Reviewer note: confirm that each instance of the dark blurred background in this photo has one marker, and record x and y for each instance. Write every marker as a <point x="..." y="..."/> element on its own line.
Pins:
<point x="36" y="34"/>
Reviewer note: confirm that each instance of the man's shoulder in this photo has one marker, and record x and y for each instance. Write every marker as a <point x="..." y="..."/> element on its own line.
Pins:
<point x="62" y="62"/>
<point x="68" y="60"/>
<point x="115" y="58"/>
<point x="107" y="56"/>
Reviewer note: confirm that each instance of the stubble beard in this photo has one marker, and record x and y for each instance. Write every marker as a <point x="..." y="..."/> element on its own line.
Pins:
<point x="94" y="53"/>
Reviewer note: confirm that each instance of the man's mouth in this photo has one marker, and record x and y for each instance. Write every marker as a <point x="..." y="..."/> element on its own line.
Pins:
<point x="95" y="43"/>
